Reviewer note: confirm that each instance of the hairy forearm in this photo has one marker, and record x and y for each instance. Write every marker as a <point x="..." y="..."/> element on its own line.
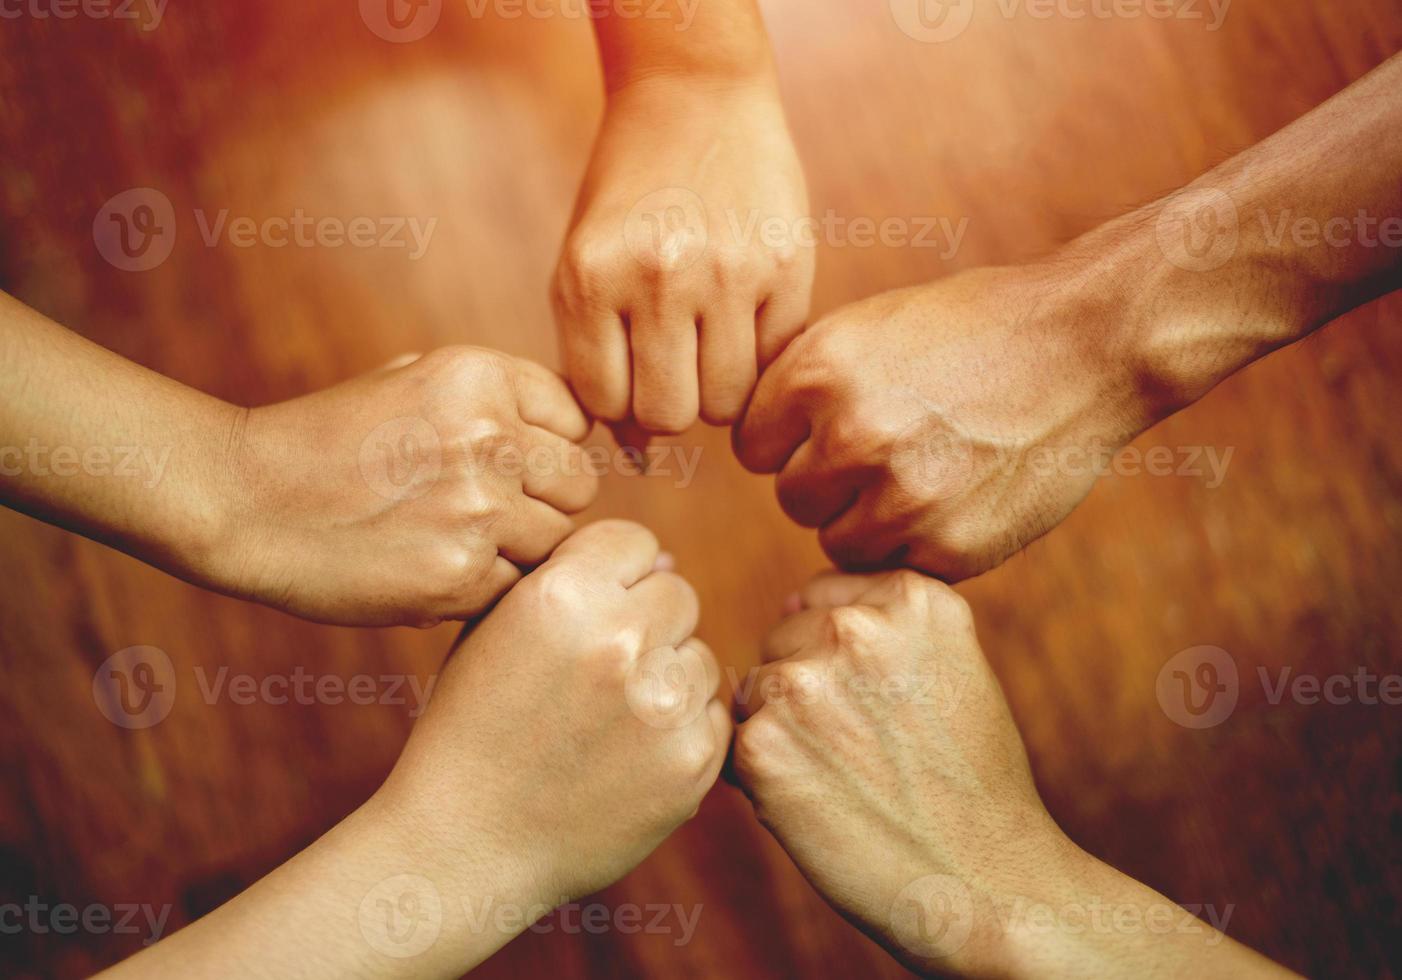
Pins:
<point x="1257" y="253"/>
<point x="722" y="39"/>
<point x="99" y="445"/>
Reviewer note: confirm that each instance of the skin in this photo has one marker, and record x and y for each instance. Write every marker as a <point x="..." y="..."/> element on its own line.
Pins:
<point x="571" y="731"/>
<point x="408" y="496"/>
<point x="669" y="298"/>
<point x="878" y="748"/>
<point x="945" y="426"/>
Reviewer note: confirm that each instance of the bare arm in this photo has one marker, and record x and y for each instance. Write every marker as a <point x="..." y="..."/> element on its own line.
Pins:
<point x="947" y="425"/>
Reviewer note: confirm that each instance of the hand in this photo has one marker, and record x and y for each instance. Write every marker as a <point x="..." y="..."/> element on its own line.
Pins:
<point x="945" y="426"/>
<point x="879" y="751"/>
<point x="668" y="253"/>
<point x="576" y="727"/>
<point x="409" y="496"/>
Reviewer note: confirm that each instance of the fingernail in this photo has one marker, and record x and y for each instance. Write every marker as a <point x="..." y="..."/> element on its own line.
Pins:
<point x="793" y="604"/>
<point x="666" y="562"/>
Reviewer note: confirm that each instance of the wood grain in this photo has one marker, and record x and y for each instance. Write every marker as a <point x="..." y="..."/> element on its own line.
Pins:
<point x="1033" y="130"/>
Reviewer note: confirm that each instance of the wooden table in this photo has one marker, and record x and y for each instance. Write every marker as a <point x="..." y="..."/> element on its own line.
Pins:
<point x="1032" y="129"/>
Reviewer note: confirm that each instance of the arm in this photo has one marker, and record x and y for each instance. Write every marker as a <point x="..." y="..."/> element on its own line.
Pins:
<point x="687" y="266"/>
<point x="409" y="495"/>
<point x="946" y="426"/>
<point x="879" y="750"/>
<point x="572" y="730"/>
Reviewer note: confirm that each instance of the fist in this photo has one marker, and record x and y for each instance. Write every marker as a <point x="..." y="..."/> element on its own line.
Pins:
<point x="879" y="751"/>
<point x="577" y="724"/>
<point x="411" y="495"/>
<point x="942" y="427"/>
<point x="686" y="268"/>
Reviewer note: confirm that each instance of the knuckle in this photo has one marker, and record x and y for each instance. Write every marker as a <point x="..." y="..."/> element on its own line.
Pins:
<point x="586" y="267"/>
<point x="469" y="368"/>
<point x="478" y="506"/>
<point x="731" y="264"/>
<point x="852" y="628"/>
<point x="558" y="594"/>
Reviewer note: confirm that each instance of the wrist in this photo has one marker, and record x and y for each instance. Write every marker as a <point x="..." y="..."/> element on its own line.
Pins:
<point x="1193" y="293"/>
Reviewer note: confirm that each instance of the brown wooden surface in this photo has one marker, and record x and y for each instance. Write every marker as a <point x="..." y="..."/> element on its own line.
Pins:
<point x="1034" y="130"/>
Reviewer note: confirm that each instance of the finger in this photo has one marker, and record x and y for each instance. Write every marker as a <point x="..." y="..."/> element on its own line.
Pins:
<point x="544" y="399"/>
<point x="402" y="361"/>
<point x="665" y="397"/>
<point x="483" y="594"/>
<point x="621" y="552"/>
<point x="762" y="683"/>
<point x="555" y="473"/>
<point x="864" y="537"/>
<point x="717" y="719"/>
<point x="801" y="631"/>
<point x="595" y="346"/>
<point x="728" y="367"/>
<point x="672" y="609"/>
<point x="531" y="532"/>
<point x="812" y="491"/>
<point x="710" y="666"/>
<point x="782" y="315"/>
<point x="827" y="590"/>
<point x="776" y="421"/>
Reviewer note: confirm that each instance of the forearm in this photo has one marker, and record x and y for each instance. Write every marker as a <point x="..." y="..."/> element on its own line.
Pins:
<point x="1101" y="923"/>
<point x="1257" y="253"/>
<point x="720" y="39"/>
<point x="99" y="445"/>
<point x="373" y="898"/>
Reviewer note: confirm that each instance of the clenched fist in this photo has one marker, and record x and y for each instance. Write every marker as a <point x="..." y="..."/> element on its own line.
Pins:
<point x="880" y="752"/>
<point x="576" y="727"/>
<point x="686" y="268"/>
<point x="408" y="496"/>
<point x="945" y="426"/>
